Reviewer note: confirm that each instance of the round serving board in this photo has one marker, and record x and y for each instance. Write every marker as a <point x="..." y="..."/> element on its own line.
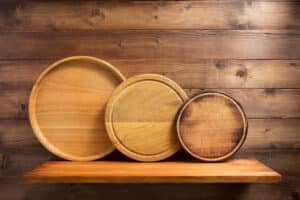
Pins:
<point x="140" y="117"/>
<point x="211" y="126"/>
<point x="67" y="106"/>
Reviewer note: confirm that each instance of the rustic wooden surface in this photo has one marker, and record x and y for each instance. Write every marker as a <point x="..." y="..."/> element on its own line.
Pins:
<point x="211" y="126"/>
<point x="67" y="105"/>
<point x="232" y="171"/>
<point x="140" y="117"/>
<point x="247" y="48"/>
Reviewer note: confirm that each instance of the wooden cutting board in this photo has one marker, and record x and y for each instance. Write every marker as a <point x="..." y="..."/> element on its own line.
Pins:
<point x="67" y="106"/>
<point x="140" y="117"/>
<point x="212" y="126"/>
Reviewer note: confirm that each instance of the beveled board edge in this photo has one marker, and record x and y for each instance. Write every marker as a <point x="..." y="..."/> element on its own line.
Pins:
<point x="240" y="108"/>
<point x="109" y="110"/>
<point x="32" y="115"/>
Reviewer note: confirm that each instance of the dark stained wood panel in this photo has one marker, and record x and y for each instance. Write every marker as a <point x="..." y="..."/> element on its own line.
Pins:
<point x="94" y="15"/>
<point x="194" y="73"/>
<point x="170" y="38"/>
<point x="14" y="103"/>
<point x="184" y="45"/>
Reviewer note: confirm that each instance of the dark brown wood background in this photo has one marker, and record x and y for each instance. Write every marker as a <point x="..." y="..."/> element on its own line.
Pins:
<point x="247" y="48"/>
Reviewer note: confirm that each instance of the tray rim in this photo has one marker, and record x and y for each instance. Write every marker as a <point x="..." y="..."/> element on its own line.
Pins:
<point x="32" y="102"/>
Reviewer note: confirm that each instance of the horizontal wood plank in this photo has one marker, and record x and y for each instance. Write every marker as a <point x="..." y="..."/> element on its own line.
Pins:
<point x="195" y="73"/>
<point x="258" y="103"/>
<point x="273" y="134"/>
<point x="266" y="103"/>
<point x="262" y="134"/>
<point x="95" y="15"/>
<point x="139" y="44"/>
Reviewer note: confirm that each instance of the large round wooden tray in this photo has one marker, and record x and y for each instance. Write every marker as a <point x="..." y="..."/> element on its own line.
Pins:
<point x="140" y="117"/>
<point x="67" y="106"/>
<point x="212" y="126"/>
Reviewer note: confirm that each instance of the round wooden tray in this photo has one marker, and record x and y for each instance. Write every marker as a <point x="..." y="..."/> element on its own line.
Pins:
<point x="140" y="117"/>
<point x="67" y="106"/>
<point x="211" y="126"/>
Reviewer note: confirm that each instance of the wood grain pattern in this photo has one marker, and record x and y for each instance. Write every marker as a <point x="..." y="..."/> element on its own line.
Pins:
<point x="211" y="126"/>
<point x="256" y="102"/>
<point x="66" y="107"/>
<point x="35" y="33"/>
<point x="91" y="15"/>
<point x="234" y="171"/>
<point x="265" y="103"/>
<point x="140" y="117"/>
<point x="281" y="134"/>
<point x="150" y="44"/>
<point x="194" y="73"/>
<point x="273" y="133"/>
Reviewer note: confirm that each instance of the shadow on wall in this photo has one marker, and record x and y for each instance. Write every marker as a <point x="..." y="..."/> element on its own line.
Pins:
<point x="149" y="191"/>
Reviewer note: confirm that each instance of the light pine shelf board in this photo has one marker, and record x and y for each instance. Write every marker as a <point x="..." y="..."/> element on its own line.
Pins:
<point x="232" y="171"/>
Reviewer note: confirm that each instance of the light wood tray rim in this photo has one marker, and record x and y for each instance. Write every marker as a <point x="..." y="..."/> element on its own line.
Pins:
<point x="32" y="114"/>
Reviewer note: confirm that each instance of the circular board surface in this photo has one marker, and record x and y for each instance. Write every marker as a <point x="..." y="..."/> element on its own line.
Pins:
<point x="67" y="106"/>
<point x="140" y="117"/>
<point x="211" y="126"/>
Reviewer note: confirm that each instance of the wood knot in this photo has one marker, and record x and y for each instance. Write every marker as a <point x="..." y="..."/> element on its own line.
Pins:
<point x="3" y="161"/>
<point x="23" y="107"/>
<point x="242" y="73"/>
<point x="187" y="7"/>
<point x="220" y="64"/>
<point x="97" y="13"/>
<point x="270" y="91"/>
<point x="267" y="130"/>
<point x="120" y="44"/>
<point x="294" y="64"/>
<point x="244" y="26"/>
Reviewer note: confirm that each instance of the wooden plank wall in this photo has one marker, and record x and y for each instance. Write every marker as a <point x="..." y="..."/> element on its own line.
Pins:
<point x="247" y="48"/>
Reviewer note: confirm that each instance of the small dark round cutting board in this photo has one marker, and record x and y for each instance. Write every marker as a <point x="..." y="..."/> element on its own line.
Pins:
<point x="211" y="126"/>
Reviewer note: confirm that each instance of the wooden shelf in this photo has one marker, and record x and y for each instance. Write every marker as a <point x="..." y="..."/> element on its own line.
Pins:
<point x="232" y="171"/>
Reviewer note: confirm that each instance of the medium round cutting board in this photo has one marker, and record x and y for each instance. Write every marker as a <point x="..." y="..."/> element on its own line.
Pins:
<point x="140" y="117"/>
<point x="211" y="126"/>
<point x="67" y="106"/>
